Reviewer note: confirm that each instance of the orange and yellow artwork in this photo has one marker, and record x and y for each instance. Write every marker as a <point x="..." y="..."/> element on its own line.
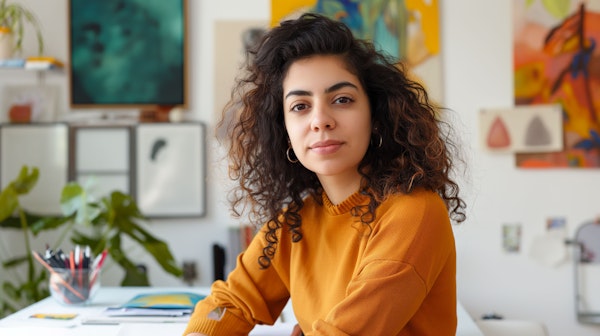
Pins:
<point x="405" y="29"/>
<point x="556" y="61"/>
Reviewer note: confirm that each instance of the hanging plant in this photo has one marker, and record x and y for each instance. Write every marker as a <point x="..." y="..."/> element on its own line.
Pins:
<point x="13" y="18"/>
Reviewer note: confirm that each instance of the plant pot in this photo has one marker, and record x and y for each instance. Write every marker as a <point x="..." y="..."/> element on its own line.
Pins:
<point x="20" y="113"/>
<point x="6" y="43"/>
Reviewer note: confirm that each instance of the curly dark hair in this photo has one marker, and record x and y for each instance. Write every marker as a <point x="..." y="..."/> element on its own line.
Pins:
<point x="410" y="149"/>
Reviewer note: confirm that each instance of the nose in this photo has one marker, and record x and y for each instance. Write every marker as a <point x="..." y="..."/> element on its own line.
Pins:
<point x="322" y="118"/>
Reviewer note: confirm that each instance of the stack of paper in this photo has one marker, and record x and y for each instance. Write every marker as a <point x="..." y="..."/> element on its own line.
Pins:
<point x="122" y="311"/>
<point x="151" y="307"/>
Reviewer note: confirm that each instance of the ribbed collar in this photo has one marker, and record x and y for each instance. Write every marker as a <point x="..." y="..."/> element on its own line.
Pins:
<point x="344" y="207"/>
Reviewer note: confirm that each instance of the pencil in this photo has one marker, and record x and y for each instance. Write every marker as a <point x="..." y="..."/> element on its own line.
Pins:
<point x="72" y="263"/>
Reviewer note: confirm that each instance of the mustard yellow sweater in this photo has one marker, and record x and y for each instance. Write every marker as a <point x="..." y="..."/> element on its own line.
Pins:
<point x="397" y="277"/>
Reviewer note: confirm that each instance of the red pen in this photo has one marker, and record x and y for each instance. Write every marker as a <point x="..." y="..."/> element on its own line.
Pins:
<point x="97" y="266"/>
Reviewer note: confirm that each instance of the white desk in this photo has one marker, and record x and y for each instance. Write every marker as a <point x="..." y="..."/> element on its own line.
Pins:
<point x="20" y="323"/>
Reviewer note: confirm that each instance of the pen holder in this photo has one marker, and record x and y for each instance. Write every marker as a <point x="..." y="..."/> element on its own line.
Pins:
<point x="74" y="286"/>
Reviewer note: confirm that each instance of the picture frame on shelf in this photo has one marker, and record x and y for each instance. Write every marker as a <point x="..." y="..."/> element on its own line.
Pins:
<point x="29" y="103"/>
<point x="170" y="169"/>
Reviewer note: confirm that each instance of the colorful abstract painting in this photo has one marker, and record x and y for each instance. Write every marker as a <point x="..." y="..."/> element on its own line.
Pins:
<point x="405" y="29"/>
<point x="127" y="53"/>
<point x="556" y="61"/>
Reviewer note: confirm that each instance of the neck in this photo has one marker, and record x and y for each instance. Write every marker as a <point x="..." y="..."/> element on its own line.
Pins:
<point x="339" y="188"/>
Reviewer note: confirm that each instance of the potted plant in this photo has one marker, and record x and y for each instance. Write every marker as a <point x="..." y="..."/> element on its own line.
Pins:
<point x="13" y="17"/>
<point x="100" y="225"/>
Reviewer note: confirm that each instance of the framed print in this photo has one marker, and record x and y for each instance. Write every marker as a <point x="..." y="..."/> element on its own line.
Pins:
<point x="127" y="53"/>
<point x="521" y="129"/>
<point x="36" y="145"/>
<point x="170" y="162"/>
<point x="102" y="158"/>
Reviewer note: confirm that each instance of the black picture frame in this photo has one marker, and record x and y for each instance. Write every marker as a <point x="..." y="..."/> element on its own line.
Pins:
<point x="127" y="53"/>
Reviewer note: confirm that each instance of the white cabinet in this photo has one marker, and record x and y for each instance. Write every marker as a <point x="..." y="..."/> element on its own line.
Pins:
<point x="41" y="145"/>
<point x="102" y="158"/>
<point x="162" y="165"/>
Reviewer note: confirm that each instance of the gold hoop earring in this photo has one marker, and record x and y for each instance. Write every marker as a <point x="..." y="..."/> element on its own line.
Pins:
<point x="289" y="157"/>
<point x="380" y="142"/>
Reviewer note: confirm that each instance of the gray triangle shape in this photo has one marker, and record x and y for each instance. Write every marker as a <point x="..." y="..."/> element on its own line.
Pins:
<point x="537" y="134"/>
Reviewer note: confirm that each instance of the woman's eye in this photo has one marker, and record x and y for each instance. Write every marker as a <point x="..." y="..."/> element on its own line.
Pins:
<point x="298" y="107"/>
<point x="343" y="100"/>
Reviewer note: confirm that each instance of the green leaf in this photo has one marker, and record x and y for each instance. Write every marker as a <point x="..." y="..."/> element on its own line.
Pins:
<point x="11" y="223"/>
<point x="134" y="277"/>
<point x="161" y="253"/>
<point x="38" y="289"/>
<point x="39" y="224"/>
<point x="15" y="261"/>
<point x="10" y="290"/>
<point x="96" y="244"/>
<point x="7" y="309"/>
<point x="25" y="181"/>
<point x="156" y="247"/>
<point x="8" y="203"/>
<point x="71" y="198"/>
<point x="14" y="15"/>
<point x="86" y="214"/>
<point x="83" y="239"/>
<point x="74" y="199"/>
<point x="123" y="206"/>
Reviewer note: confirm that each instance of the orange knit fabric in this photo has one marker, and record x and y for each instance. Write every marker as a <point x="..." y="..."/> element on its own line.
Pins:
<point x="396" y="277"/>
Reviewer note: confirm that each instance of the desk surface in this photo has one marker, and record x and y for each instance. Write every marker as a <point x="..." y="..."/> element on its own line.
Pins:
<point x="20" y="323"/>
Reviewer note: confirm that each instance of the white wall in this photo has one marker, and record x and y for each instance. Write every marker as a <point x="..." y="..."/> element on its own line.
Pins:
<point x="476" y="37"/>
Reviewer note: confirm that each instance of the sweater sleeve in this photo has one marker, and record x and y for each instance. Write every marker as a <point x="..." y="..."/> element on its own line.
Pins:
<point x="250" y="296"/>
<point x="405" y="283"/>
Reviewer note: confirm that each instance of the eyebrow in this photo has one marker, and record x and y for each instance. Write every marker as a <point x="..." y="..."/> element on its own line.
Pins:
<point x="330" y="89"/>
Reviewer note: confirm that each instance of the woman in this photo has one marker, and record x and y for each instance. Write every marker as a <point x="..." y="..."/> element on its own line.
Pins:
<point x="344" y="160"/>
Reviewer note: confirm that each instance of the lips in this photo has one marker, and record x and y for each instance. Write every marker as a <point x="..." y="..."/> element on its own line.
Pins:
<point x="326" y="147"/>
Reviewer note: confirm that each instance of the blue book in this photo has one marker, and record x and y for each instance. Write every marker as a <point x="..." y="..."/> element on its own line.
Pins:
<point x="12" y="63"/>
<point x="164" y="300"/>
